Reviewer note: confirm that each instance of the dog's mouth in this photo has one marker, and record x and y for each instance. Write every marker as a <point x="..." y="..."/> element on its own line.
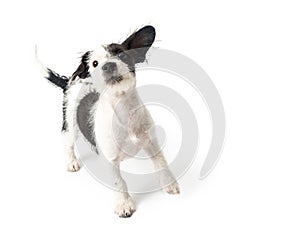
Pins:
<point x="114" y="79"/>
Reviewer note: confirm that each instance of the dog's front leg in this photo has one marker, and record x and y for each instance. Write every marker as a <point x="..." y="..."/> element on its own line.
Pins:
<point x="72" y="164"/>
<point x="165" y="177"/>
<point x="125" y="206"/>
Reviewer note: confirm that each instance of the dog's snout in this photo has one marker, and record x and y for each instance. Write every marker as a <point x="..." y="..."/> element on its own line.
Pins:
<point x="109" y="67"/>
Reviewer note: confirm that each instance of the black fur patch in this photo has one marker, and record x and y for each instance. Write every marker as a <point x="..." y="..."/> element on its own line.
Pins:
<point x="82" y="72"/>
<point x="84" y="116"/>
<point x="57" y="80"/>
<point x="64" y="108"/>
<point x="83" y="69"/>
<point x="118" y="50"/>
<point x="115" y="48"/>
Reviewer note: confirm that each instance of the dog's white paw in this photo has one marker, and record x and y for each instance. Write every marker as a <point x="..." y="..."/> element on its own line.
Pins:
<point x="73" y="166"/>
<point x="125" y="208"/>
<point x="173" y="188"/>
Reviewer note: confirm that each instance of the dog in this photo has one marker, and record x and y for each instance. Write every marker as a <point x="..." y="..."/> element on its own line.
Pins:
<point x="119" y="123"/>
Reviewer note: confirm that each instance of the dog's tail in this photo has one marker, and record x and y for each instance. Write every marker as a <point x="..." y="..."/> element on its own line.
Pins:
<point x="53" y="77"/>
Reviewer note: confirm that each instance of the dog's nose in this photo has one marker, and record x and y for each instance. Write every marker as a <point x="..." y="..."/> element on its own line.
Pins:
<point x="109" y="67"/>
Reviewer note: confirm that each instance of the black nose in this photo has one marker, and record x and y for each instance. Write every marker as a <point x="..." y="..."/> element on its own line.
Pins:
<point x="109" y="67"/>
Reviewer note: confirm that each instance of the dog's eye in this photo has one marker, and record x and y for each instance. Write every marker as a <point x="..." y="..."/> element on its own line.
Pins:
<point x="122" y="56"/>
<point x="95" y="63"/>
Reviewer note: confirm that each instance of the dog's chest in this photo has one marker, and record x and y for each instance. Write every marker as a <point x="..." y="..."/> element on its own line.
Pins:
<point x="118" y="124"/>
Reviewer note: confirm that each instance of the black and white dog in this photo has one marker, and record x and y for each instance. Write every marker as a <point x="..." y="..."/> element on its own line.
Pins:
<point x="110" y="104"/>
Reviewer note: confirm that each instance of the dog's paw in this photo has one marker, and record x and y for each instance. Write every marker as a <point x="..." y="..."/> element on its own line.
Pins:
<point x="125" y="208"/>
<point x="73" y="166"/>
<point x="173" y="188"/>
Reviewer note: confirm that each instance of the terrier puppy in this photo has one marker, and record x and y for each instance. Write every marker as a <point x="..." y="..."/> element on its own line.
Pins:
<point x="118" y="124"/>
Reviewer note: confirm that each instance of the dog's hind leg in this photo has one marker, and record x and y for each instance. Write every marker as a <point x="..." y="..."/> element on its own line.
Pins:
<point x="165" y="177"/>
<point x="125" y="206"/>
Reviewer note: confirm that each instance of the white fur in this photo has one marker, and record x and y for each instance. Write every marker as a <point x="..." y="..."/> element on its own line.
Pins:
<point x="40" y="65"/>
<point x="71" y="134"/>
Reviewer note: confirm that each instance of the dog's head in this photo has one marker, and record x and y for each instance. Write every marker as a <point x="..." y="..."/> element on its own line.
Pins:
<point x="114" y="64"/>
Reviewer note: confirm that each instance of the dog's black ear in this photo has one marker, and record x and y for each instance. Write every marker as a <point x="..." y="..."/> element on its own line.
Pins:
<point x="140" y="42"/>
<point x="80" y="72"/>
<point x="83" y="69"/>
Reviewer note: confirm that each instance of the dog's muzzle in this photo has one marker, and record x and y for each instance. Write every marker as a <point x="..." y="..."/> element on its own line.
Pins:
<point x="109" y="68"/>
<point x="110" y="73"/>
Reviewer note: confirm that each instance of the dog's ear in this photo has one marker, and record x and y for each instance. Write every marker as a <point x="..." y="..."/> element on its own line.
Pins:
<point x="83" y="69"/>
<point x="80" y="72"/>
<point x="139" y="42"/>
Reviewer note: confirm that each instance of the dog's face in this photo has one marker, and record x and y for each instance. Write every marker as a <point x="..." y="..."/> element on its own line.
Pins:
<point x="114" y="64"/>
<point x="111" y="64"/>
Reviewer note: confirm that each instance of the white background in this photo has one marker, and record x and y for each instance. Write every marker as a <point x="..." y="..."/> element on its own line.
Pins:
<point x="250" y="49"/>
